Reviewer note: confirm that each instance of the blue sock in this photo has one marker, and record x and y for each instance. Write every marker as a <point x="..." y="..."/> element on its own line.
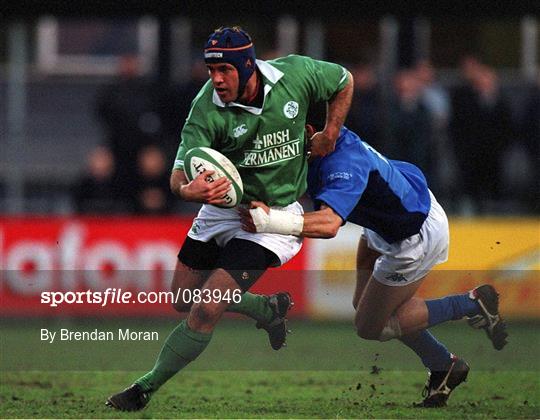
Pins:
<point x="451" y="308"/>
<point x="435" y="356"/>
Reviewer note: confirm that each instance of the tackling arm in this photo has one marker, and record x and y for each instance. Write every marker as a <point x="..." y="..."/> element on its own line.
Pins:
<point x="323" y="223"/>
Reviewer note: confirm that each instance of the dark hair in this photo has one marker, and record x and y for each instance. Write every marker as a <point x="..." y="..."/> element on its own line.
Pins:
<point x="316" y="115"/>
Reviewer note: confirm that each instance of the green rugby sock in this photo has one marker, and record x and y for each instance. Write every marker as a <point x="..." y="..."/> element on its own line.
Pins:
<point x="181" y="347"/>
<point x="254" y="306"/>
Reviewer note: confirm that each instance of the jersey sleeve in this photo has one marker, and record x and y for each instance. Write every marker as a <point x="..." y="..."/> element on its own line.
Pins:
<point x="341" y="185"/>
<point x="326" y="79"/>
<point x="197" y="132"/>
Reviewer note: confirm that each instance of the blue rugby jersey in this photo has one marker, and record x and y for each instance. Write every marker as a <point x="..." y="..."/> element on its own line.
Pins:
<point x="387" y="196"/>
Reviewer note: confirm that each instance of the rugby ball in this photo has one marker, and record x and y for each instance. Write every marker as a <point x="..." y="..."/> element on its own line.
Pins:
<point x="200" y="159"/>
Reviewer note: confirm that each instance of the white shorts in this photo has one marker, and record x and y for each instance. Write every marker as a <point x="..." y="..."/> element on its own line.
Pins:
<point x="407" y="261"/>
<point x="222" y="225"/>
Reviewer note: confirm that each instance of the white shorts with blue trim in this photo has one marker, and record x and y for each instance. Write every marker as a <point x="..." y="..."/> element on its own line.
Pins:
<point x="222" y="225"/>
<point x="407" y="261"/>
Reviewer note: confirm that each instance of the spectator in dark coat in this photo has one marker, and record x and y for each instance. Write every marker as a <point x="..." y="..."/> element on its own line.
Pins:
<point x="152" y="195"/>
<point x="410" y="124"/>
<point x="130" y="112"/>
<point x="97" y="191"/>
<point x="364" y="116"/>
<point x="481" y="129"/>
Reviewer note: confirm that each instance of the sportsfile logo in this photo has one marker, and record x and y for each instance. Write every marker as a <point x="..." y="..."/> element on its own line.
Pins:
<point x="112" y="295"/>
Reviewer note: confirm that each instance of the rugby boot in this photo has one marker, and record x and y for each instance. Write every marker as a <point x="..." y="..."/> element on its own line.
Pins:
<point x="489" y="319"/>
<point x="277" y="330"/>
<point x="440" y="384"/>
<point x="133" y="398"/>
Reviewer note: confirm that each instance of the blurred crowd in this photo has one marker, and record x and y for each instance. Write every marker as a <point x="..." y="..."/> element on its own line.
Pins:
<point x="479" y="154"/>
<point x="142" y="120"/>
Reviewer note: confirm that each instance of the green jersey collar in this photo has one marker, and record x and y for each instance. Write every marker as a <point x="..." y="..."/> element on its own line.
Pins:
<point x="270" y="74"/>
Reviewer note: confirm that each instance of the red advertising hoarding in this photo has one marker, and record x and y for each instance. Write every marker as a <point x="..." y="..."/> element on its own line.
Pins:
<point x="117" y="253"/>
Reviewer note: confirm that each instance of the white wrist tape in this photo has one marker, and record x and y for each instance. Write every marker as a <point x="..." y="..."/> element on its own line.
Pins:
<point x="277" y="221"/>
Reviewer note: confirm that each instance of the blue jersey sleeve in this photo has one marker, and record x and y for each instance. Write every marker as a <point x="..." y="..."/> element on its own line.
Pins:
<point x="341" y="181"/>
<point x="362" y="186"/>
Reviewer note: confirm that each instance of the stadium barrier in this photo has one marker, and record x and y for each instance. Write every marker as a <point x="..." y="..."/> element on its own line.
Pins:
<point x="503" y="252"/>
<point x="138" y="255"/>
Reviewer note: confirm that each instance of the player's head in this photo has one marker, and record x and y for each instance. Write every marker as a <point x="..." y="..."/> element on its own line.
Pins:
<point x="231" y="46"/>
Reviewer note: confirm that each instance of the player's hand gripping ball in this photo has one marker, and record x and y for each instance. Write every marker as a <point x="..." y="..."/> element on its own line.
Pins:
<point x="200" y="159"/>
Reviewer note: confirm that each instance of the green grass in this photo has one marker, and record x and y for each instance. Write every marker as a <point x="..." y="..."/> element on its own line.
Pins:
<point x="306" y="394"/>
<point x="325" y="372"/>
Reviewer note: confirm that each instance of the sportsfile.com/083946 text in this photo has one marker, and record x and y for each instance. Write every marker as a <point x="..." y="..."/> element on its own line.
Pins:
<point x="118" y="296"/>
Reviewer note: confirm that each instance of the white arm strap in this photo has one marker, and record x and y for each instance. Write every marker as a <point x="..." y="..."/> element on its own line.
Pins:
<point x="277" y="221"/>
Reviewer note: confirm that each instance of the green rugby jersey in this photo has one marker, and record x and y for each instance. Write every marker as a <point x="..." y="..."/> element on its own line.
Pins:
<point x="265" y="144"/>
